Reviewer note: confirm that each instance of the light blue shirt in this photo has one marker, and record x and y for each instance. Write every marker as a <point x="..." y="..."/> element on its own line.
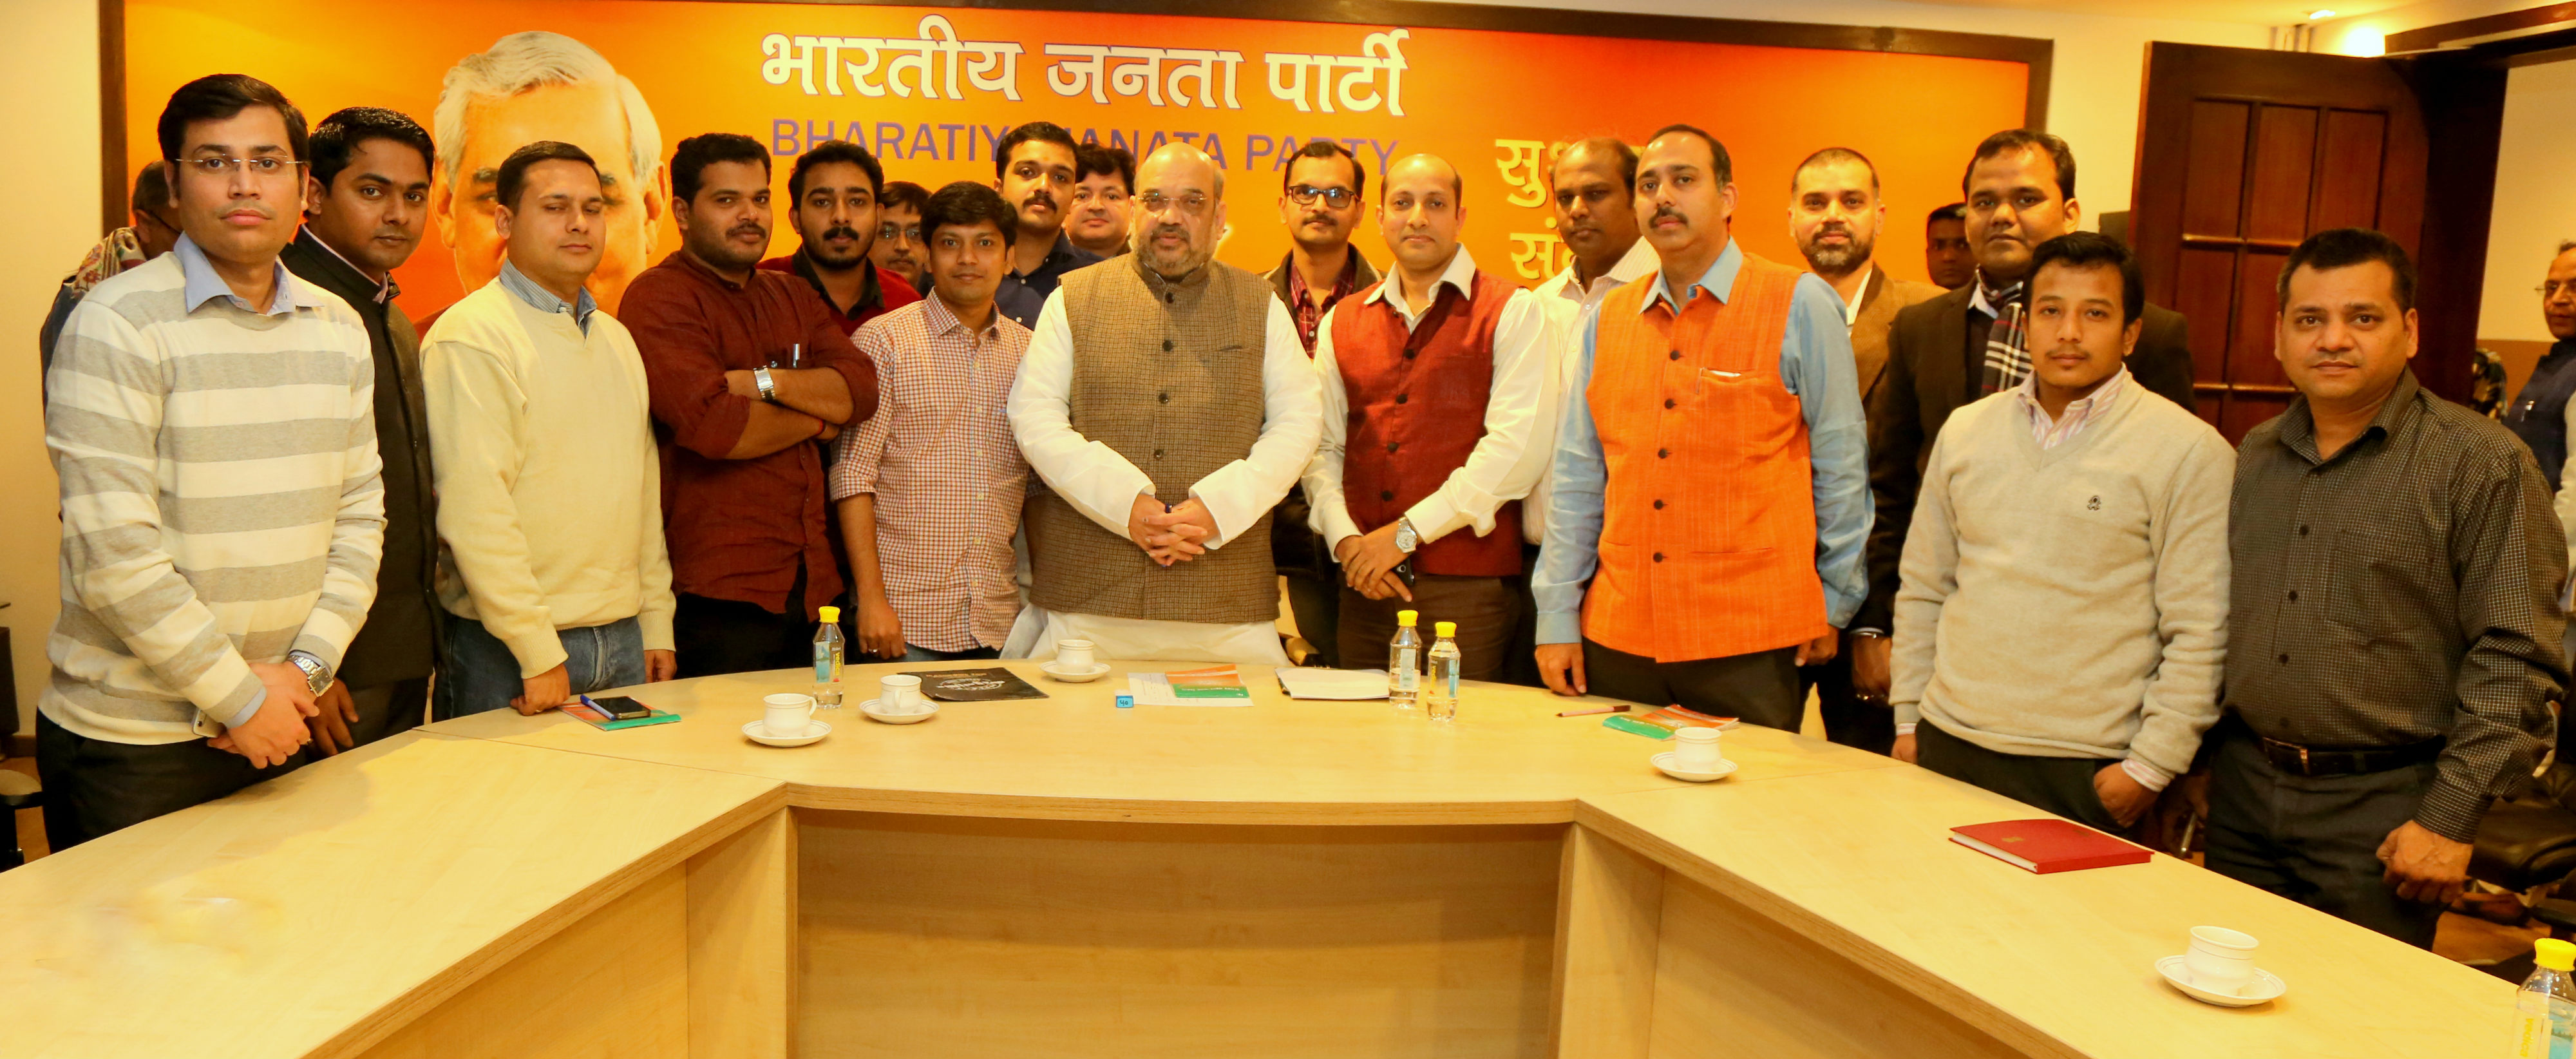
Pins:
<point x="1816" y="366"/>
<point x="202" y="285"/>
<point x="546" y="301"/>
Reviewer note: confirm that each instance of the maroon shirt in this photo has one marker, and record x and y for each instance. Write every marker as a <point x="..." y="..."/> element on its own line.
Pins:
<point x="881" y="293"/>
<point x="737" y="528"/>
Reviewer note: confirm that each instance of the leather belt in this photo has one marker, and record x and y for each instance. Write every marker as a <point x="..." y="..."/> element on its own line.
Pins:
<point x="2345" y="760"/>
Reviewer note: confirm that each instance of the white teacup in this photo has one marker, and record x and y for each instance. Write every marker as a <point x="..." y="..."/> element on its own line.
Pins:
<point x="2220" y="960"/>
<point x="788" y="714"/>
<point x="899" y="694"/>
<point x="1695" y="749"/>
<point x="1074" y="655"/>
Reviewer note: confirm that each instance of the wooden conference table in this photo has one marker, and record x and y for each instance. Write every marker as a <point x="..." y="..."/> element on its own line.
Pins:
<point x="1060" y="877"/>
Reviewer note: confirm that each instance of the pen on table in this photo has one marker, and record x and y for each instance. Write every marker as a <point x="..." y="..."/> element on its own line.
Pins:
<point x="1592" y="710"/>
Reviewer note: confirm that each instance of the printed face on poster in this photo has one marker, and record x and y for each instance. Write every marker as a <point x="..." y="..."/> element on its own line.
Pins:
<point x="932" y="90"/>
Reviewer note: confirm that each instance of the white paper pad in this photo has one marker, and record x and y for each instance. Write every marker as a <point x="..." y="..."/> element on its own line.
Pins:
<point x="1339" y="684"/>
<point x="1155" y="689"/>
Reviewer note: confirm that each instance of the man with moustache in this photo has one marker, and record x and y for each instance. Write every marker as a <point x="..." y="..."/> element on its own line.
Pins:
<point x="1166" y="405"/>
<point x="747" y="367"/>
<point x="898" y="251"/>
<point x="366" y="199"/>
<point x="1704" y="532"/>
<point x="1947" y="352"/>
<point x="150" y="236"/>
<point x="549" y="485"/>
<point x="2539" y="413"/>
<point x="832" y="202"/>
<point x="204" y="609"/>
<point x="1947" y="257"/>
<point x="2393" y="637"/>
<point x="535" y="86"/>
<point x="929" y="488"/>
<point x="1104" y="188"/>
<point x="1436" y="384"/>
<point x="1834" y="216"/>
<point x="1033" y="168"/>
<point x="1319" y="201"/>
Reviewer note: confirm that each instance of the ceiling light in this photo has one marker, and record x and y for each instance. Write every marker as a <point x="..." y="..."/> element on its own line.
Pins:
<point x="2319" y="13"/>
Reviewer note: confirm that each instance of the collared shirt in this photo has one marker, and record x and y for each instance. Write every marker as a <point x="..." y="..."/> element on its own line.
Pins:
<point x="1517" y="434"/>
<point x="202" y="284"/>
<point x="1569" y="303"/>
<point x="739" y="529"/>
<point x="1310" y="312"/>
<point x="546" y="301"/>
<point x="1851" y="305"/>
<point x="1028" y="293"/>
<point x="1815" y="365"/>
<point x="2403" y="590"/>
<point x="386" y="289"/>
<point x="2080" y="412"/>
<point x="1103" y="485"/>
<point x="880" y="292"/>
<point x="948" y="475"/>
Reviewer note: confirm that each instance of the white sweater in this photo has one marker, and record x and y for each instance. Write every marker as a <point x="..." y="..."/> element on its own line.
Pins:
<point x="549" y="484"/>
<point x="2069" y="602"/>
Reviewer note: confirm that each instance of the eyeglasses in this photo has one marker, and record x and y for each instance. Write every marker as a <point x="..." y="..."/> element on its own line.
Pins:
<point x="224" y="165"/>
<point x="2552" y="288"/>
<point x="1191" y="204"/>
<point x="891" y="231"/>
<point x="1336" y="198"/>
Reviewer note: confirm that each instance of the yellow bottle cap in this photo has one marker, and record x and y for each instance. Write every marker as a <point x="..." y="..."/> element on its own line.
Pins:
<point x="1405" y="618"/>
<point x="1446" y="628"/>
<point x="831" y="614"/>
<point x="2554" y="954"/>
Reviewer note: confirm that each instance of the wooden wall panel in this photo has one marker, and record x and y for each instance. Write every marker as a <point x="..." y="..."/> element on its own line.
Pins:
<point x="930" y="937"/>
<point x="2348" y="169"/>
<point x="2214" y="172"/>
<point x="2285" y="153"/>
<point x="614" y="984"/>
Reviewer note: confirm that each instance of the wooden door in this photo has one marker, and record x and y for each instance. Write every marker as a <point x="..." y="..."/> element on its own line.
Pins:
<point x="2243" y="153"/>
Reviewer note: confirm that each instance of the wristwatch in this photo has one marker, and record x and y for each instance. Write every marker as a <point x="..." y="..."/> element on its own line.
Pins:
<point x="1405" y="539"/>
<point x="768" y="388"/>
<point x="316" y="675"/>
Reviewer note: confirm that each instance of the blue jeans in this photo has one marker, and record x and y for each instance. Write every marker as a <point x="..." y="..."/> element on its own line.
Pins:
<point x="480" y="674"/>
<point x="916" y="653"/>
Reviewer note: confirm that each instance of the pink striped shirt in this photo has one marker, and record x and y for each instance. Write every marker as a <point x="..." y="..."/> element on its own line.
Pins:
<point x="2080" y="412"/>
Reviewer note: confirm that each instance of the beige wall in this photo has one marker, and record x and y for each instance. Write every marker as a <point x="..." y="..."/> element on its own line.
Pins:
<point x="49" y="64"/>
<point x="2535" y="198"/>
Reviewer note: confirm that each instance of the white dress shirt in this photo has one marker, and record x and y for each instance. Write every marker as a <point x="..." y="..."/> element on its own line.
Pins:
<point x="1506" y="461"/>
<point x="1104" y="485"/>
<point x="1569" y="304"/>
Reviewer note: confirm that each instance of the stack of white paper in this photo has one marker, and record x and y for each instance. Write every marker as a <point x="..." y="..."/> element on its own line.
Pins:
<point x="1341" y="684"/>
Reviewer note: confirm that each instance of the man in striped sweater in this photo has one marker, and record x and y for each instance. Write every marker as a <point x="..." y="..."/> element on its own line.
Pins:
<point x="212" y="420"/>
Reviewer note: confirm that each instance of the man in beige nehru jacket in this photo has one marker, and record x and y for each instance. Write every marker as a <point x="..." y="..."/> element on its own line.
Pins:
<point x="1166" y="404"/>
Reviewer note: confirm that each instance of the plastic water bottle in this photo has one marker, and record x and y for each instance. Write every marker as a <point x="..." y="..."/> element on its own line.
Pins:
<point x="1440" y="692"/>
<point x="2545" y="1010"/>
<point x="1404" y="663"/>
<point x="827" y="659"/>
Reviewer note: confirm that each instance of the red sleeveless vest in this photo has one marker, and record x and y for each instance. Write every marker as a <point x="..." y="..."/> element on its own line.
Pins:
<point x="1417" y="409"/>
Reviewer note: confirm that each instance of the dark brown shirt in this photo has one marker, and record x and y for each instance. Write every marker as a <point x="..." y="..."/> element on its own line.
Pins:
<point x="2405" y="590"/>
<point x="738" y="529"/>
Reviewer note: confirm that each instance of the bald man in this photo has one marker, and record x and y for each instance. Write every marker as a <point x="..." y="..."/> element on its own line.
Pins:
<point x="1166" y="405"/>
<point x="1434" y="384"/>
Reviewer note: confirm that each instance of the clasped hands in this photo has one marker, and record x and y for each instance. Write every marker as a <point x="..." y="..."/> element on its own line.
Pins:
<point x="1369" y="561"/>
<point x="1170" y="534"/>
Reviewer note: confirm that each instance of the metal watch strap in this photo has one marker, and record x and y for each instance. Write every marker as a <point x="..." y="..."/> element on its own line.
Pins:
<point x="317" y="677"/>
<point x="768" y="387"/>
<point x="1404" y="531"/>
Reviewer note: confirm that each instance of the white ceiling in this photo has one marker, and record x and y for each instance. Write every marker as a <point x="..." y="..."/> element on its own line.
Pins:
<point x="2255" y="12"/>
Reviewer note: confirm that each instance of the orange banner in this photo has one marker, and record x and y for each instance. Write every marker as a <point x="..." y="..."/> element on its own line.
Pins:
<point x="931" y="89"/>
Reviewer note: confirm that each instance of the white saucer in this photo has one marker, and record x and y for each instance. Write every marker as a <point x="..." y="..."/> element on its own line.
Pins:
<point x="1664" y="762"/>
<point x="1075" y="676"/>
<point x="870" y="708"/>
<point x="2264" y="988"/>
<point x="758" y="731"/>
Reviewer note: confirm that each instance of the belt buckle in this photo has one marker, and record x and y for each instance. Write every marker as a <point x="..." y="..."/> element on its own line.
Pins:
<point x="2304" y="770"/>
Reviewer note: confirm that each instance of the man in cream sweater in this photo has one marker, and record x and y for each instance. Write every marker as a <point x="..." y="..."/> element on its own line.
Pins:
<point x="550" y="497"/>
<point x="2063" y="614"/>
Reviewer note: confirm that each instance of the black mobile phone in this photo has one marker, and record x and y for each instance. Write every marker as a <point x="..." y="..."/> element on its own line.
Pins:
<point x="621" y="708"/>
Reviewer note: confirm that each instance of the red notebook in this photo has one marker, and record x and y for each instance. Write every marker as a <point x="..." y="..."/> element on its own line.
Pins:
<point x="2045" y="846"/>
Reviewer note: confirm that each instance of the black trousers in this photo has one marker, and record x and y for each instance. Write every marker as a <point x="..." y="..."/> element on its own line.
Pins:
<point x="717" y="636"/>
<point x="2315" y="839"/>
<point x="1520" y="662"/>
<point x="1864" y="725"/>
<point x="94" y="786"/>
<point x="1762" y="688"/>
<point x="2061" y="785"/>
<point x="389" y="709"/>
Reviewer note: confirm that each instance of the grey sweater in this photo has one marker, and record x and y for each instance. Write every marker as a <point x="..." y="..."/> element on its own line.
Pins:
<point x="2069" y="602"/>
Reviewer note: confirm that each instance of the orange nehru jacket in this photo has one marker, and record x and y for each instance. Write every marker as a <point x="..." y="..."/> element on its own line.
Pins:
<point x="1708" y="534"/>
